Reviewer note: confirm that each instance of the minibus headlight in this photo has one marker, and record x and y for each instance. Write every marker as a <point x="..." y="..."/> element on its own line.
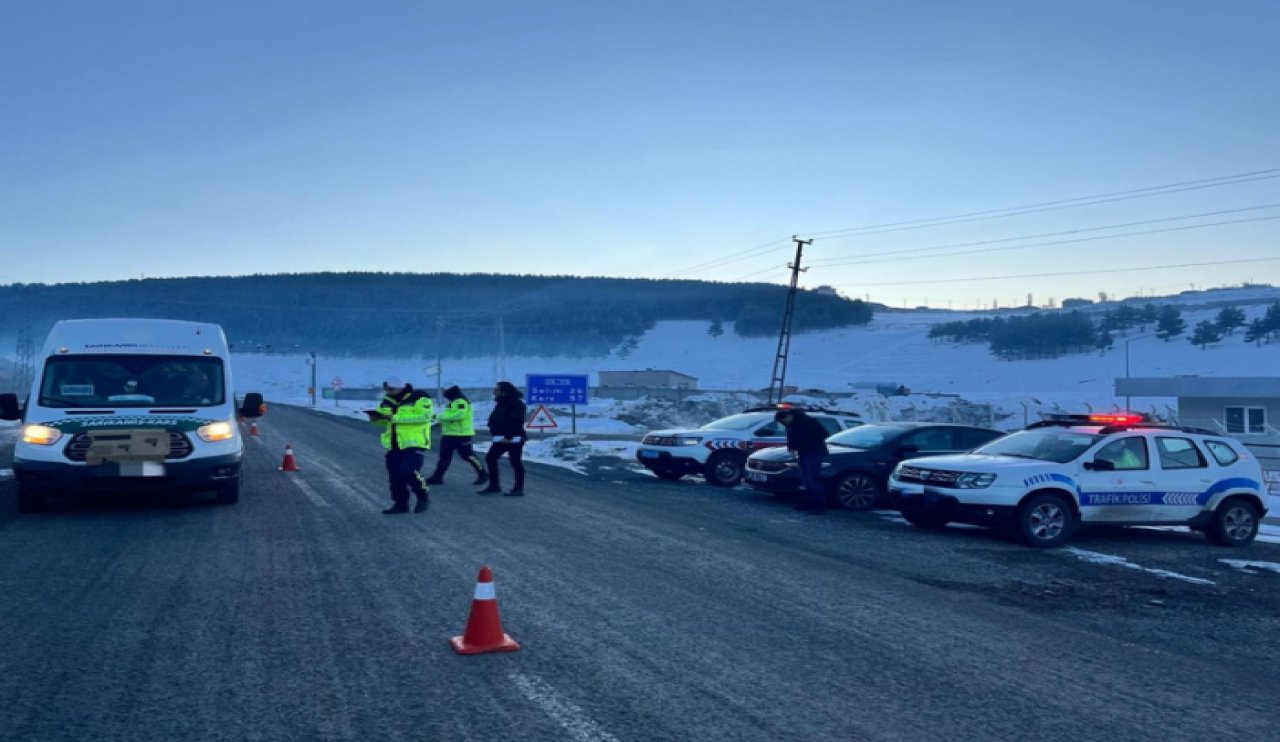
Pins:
<point x="219" y="431"/>
<point x="41" y="435"/>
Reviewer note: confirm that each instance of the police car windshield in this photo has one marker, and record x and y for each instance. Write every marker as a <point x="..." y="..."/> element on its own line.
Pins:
<point x="132" y="381"/>
<point x="737" y="422"/>
<point x="1046" y="444"/>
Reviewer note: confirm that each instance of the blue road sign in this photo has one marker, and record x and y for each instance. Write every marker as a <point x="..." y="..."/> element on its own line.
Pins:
<point x="556" y="388"/>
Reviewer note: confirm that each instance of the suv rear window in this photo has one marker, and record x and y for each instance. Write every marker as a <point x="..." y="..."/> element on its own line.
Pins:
<point x="1179" y="453"/>
<point x="1222" y="452"/>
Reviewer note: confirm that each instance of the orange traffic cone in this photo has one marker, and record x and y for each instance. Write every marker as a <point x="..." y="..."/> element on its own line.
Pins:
<point x="253" y="428"/>
<point x="484" y="627"/>
<point x="290" y="464"/>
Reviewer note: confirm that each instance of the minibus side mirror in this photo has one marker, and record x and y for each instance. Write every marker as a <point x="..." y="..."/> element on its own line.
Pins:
<point x="9" y="407"/>
<point x="252" y="406"/>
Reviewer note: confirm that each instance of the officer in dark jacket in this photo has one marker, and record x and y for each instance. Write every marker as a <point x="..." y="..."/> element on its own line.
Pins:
<point x="457" y="427"/>
<point x="807" y="439"/>
<point x="506" y="425"/>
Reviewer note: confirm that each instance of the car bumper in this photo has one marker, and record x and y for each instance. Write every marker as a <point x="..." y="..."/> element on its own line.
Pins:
<point x="946" y="505"/>
<point x="658" y="459"/>
<point x="777" y="482"/>
<point x="194" y="474"/>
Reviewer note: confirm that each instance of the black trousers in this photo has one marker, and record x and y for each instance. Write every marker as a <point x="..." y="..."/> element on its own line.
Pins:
<point x="459" y="445"/>
<point x="516" y="452"/>
<point x="404" y="473"/>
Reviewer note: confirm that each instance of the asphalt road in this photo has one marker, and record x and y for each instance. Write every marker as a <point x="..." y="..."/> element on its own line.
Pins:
<point x="647" y="610"/>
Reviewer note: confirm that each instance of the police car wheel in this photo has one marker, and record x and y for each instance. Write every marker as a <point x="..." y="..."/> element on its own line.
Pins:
<point x="857" y="492"/>
<point x="724" y="468"/>
<point x="1046" y="520"/>
<point x="1234" y="523"/>
<point x="671" y="475"/>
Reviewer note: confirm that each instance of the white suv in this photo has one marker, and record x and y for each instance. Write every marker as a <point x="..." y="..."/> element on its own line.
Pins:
<point x="719" y="450"/>
<point x="1090" y="469"/>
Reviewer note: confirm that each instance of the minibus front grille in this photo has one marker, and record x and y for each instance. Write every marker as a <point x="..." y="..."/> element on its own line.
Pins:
<point x="179" y="447"/>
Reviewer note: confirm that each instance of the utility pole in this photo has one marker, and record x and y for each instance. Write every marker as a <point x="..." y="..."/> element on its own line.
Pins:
<point x="779" y="380"/>
<point x="312" y="362"/>
<point x="439" y="359"/>
<point x="502" y="345"/>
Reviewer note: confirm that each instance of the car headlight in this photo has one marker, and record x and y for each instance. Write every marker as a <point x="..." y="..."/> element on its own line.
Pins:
<point x="41" y="435"/>
<point x="688" y="441"/>
<point x="974" y="481"/>
<point x="219" y="431"/>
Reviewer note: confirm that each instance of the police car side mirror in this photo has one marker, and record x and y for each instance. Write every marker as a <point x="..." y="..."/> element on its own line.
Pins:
<point x="9" y="407"/>
<point x="1100" y="465"/>
<point x="252" y="405"/>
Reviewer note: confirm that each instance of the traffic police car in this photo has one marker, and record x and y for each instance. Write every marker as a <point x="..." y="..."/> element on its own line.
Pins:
<point x="718" y="450"/>
<point x="1074" y="470"/>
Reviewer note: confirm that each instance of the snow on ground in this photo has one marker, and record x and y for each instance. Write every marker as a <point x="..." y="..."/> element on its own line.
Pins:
<point x="1251" y="566"/>
<point x="1097" y="557"/>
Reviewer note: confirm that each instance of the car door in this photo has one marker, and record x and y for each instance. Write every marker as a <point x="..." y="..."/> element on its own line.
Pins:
<point x="1184" y="476"/>
<point x="1125" y="493"/>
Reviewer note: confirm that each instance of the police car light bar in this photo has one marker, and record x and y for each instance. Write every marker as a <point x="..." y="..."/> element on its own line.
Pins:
<point x="1118" y="419"/>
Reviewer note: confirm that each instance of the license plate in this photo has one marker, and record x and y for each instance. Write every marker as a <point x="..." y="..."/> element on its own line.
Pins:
<point x="755" y="476"/>
<point x="649" y="454"/>
<point x="141" y="469"/>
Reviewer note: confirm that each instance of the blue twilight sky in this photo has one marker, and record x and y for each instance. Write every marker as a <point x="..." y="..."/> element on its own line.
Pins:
<point x="645" y="138"/>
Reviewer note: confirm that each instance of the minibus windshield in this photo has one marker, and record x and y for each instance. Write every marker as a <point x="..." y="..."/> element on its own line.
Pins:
<point x="132" y="381"/>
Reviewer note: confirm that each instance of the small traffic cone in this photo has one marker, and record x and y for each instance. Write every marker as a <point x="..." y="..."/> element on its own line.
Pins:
<point x="290" y="464"/>
<point x="484" y="626"/>
<point x="253" y="428"/>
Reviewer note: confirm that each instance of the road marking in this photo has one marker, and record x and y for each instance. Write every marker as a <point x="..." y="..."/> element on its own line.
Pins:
<point x="565" y="713"/>
<point x="1097" y="557"/>
<point x="311" y="494"/>
<point x="1250" y="566"/>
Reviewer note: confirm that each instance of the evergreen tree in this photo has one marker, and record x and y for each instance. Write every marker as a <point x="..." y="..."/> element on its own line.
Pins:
<point x="1149" y="315"/>
<point x="1256" y="332"/>
<point x="1271" y="320"/>
<point x="1230" y="318"/>
<point x="1110" y="321"/>
<point x="716" y="329"/>
<point x="1206" y="332"/>
<point x="1127" y="315"/>
<point x="1170" y="323"/>
<point x="1105" y="340"/>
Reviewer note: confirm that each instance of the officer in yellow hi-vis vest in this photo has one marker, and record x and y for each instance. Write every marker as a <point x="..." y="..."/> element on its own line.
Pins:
<point x="457" y="427"/>
<point x="405" y="417"/>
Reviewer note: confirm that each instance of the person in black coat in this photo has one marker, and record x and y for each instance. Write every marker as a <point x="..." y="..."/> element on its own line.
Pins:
<point x="506" y="425"/>
<point x="807" y="439"/>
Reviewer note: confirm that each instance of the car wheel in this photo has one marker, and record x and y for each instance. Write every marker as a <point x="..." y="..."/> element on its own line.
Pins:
<point x="229" y="494"/>
<point x="671" y="475"/>
<point x="1234" y="523"/>
<point x="30" y="502"/>
<point x="924" y="519"/>
<point x="724" y="468"/>
<point x="1046" y="519"/>
<point x="857" y="492"/>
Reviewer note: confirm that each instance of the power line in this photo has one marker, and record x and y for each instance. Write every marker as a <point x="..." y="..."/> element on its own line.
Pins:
<point x="1070" y="203"/>
<point x="865" y="260"/>
<point x="1068" y="273"/>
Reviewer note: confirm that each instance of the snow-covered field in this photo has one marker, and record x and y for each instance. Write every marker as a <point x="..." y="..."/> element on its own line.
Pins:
<point x="893" y="349"/>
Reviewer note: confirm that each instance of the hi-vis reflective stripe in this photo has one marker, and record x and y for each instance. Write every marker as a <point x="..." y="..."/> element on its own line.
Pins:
<point x="485" y="591"/>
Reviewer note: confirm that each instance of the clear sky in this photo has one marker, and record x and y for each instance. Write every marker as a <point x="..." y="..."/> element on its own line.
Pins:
<point x="640" y="138"/>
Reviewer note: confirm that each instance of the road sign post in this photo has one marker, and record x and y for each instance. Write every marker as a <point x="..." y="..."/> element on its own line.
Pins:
<point x="542" y="419"/>
<point x="558" y="389"/>
<point x="338" y="384"/>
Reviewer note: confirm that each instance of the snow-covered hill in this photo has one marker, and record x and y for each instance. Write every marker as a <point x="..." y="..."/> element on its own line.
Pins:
<point x="893" y="349"/>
